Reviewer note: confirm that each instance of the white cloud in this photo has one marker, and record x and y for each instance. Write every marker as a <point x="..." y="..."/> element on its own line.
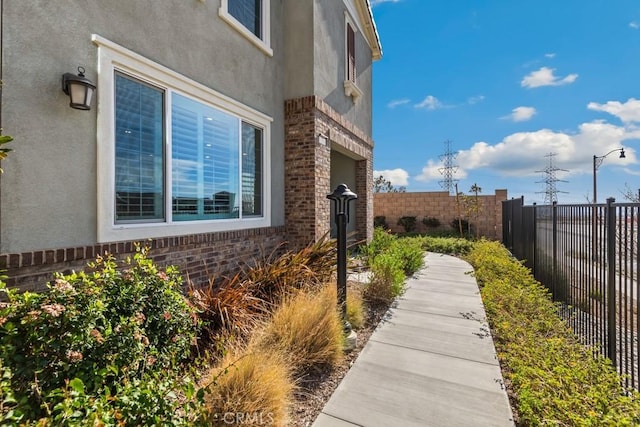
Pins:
<point x="397" y="102"/>
<point x="634" y="25"/>
<point x="475" y="99"/>
<point x="544" y="77"/>
<point x="433" y="172"/>
<point x="520" y="114"/>
<point x="630" y="171"/>
<point x="550" y="55"/>
<point x="430" y="103"/>
<point x="397" y="177"/>
<point x="521" y="154"/>
<point x="628" y="112"/>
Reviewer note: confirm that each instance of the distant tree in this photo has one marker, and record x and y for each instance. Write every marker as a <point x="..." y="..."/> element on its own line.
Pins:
<point x="473" y="207"/>
<point x="630" y="195"/>
<point x="382" y="185"/>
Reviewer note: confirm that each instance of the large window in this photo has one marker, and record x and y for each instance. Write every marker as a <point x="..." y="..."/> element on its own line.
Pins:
<point x="251" y="19"/>
<point x="175" y="157"/>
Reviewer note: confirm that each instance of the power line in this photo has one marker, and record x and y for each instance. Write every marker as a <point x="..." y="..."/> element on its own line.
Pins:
<point x="551" y="191"/>
<point x="449" y="169"/>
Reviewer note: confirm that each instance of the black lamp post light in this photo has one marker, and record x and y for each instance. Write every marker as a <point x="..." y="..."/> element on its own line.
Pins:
<point x="597" y="161"/>
<point x="341" y="197"/>
<point x="79" y="88"/>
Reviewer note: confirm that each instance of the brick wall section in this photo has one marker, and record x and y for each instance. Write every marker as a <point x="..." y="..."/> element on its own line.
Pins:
<point x="308" y="169"/>
<point x="364" y="205"/>
<point x="198" y="256"/>
<point x="299" y="166"/>
<point x="441" y="205"/>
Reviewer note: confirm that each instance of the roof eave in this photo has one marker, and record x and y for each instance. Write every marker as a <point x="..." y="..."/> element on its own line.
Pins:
<point x="370" y="30"/>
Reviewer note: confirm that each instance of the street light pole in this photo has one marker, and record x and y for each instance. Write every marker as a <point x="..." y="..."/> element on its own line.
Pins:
<point x="597" y="161"/>
<point x="595" y="182"/>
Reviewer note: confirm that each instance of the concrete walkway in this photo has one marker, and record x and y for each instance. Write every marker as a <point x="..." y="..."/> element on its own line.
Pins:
<point x="431" y="362"/>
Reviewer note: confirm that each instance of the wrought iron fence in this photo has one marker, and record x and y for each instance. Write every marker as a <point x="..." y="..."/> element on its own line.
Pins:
<point x="587" y="256"/>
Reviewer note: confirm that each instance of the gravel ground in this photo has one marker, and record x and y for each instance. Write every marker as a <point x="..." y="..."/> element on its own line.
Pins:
<point x="317" y="387"/>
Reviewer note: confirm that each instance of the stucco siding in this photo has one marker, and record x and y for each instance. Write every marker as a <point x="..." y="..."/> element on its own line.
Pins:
<point x="330" y="56"/>
<point x="299" y="41"/>
<point x="49" y="186"/>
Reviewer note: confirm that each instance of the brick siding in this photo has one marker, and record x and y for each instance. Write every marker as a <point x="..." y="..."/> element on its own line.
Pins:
<point x="198" y="256"/>
<point x="311" y="128"/>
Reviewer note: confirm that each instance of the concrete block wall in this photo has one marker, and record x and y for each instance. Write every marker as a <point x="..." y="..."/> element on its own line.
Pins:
<point x="443" y="206"/>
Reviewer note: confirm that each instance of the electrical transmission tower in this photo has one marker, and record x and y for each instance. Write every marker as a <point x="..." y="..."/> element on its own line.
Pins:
<point x="448" y="169"/>
<point x="550" y="179"/>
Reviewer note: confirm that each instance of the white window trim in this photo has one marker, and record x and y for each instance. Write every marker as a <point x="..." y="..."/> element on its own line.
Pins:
<point x="263" y="44"/>
<point x="351" y="88"/>
<point x="112" y="57"/>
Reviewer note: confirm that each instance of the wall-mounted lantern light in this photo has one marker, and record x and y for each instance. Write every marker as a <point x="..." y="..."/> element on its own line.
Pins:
<point x="79" y="88"/>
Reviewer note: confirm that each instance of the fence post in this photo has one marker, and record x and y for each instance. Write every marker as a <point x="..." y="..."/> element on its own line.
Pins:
<point x="535" y="241"/>
<point x="611" y="281"/>
<point x="505" y="223"/>
<point x="554" y="251"/>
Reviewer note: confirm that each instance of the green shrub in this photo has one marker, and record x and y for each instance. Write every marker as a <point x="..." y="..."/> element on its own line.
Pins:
<point x="456" y="223"/>
<point x="431" y="222"/>
<point x="446" y="245"/>
<point x="4" y="152"/>
<point x="96" y="329"/>
<point x="391" y="259"/>
<point x="408" y="223"/>
<point x="382" y="241"/>
<point x="410" y="253"/>
<point x="387" y="279"/>
<point x="556" y="380"/>
<point x="380" y="221"/>
<point x="158" y="399"/>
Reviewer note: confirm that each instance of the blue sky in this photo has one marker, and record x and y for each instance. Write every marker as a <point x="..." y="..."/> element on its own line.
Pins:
<point x="508" y="82"/>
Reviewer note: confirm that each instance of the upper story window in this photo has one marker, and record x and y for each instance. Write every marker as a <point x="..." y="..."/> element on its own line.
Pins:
<point x="248" y="13"/>
<point x="251" y="18"/>
<point x="350" y="86"/>
<point x="351" y="53"/>
<point x="175" y="157"/>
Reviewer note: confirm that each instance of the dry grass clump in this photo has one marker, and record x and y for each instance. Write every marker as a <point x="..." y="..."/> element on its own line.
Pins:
<point x="378" y="291"/>
<point x="355" y="303"/>
<point x="231" y="306"/>
<point x="250" y="387"/>
<point x="277" y="275"/>
<point x="228" y="306"/>
<point x="355" y="309"/>
<point x="307" y="328"/>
